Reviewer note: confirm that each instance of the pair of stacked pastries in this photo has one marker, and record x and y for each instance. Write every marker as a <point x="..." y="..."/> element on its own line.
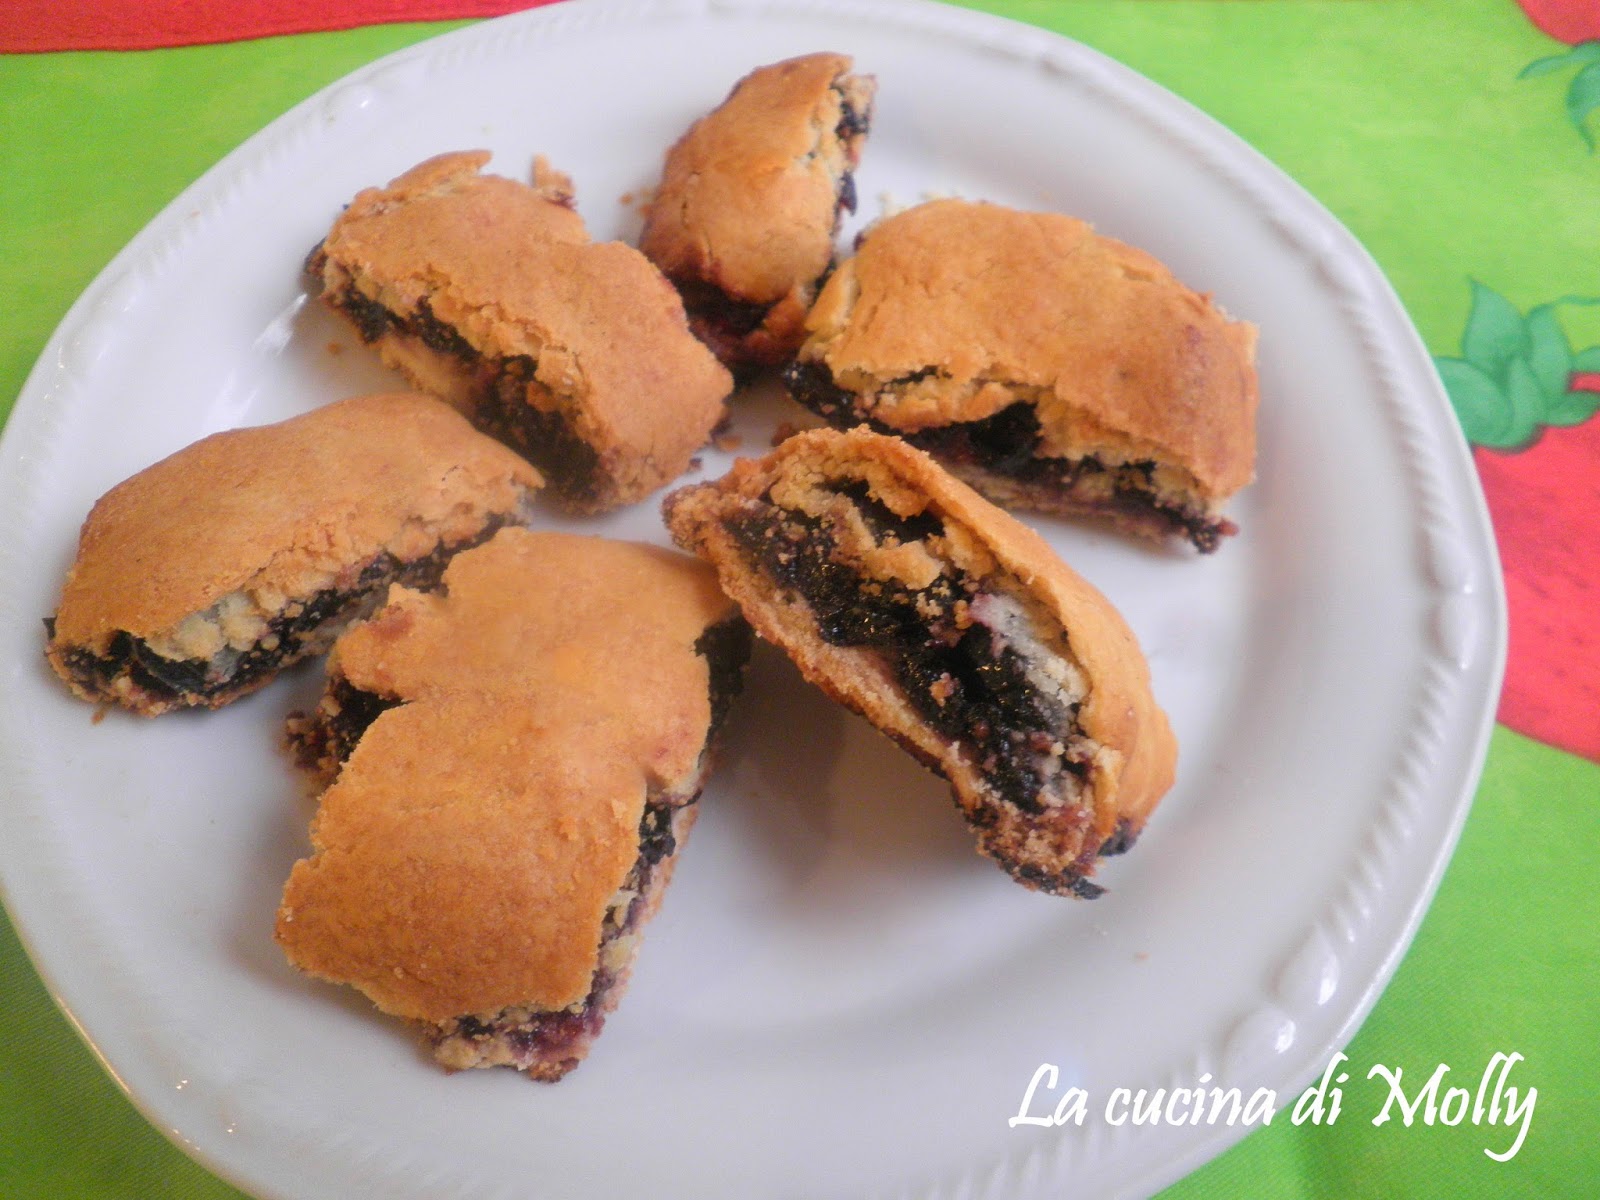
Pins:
<point x="516" y="725"/>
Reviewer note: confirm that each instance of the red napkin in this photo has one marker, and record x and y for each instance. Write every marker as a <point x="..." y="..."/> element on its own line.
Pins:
<point x="37" y="25"/>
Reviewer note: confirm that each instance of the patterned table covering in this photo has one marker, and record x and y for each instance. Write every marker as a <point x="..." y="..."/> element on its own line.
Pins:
<point x="1453" y="137"/>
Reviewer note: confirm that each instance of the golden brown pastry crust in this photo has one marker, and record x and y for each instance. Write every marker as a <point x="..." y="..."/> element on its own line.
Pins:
<point x="749" y="197"/>
<point x="465" y="856"/>
<point x="272" y="514"/>
<point x="551" y="619"/>
<point x="1135" y="760"/>
<point x="953" y="310"/>
<point x="499" y="303"/>
<point x="463" y="862"/>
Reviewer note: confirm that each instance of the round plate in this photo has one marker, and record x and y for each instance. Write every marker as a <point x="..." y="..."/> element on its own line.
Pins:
<point x="839" y="997"/>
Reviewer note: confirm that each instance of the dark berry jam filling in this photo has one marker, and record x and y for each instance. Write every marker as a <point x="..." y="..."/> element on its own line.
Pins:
<point x="1050" y="881"/>
<point x="305" y="629"/>
<point x="544" y="437"/>
<point x="963" y="679"/>
<point x="726" y="648"/>
<point x="322" y="743"/>
<point x="854" y="125"/>
<point x="853" y="122"/>
<point x="1006" y="444"/>
<point x="847" y="198"/>
<point x="723" y="323"/>
<point x="438" y="335"/>
<point x="722" y="316"/>
<point x="373" y="320"/>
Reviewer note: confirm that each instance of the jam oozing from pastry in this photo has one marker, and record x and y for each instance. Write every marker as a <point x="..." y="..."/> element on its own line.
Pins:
<point x="965" y="653"/>
<point x="726" y="324"/>
<point x="545" y="437"/>
<point x="726" y="648"/>
<point x="322" y="741"/>
<point x="854" y="124"/>
<point x="439" y="335"/>
<point x="717" y="317"/>
<point x="1006" y="444"/>
<point x="371" y="319"/>
<point x="306" y="626"/>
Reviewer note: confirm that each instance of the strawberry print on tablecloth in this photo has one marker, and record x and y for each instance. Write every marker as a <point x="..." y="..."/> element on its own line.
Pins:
<point x="1527" y="402"/>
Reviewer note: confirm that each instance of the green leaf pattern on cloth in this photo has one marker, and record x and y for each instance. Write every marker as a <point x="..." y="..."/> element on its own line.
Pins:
<point x="1583" y="93"/>
<point x="1479" y="401"/>
<point x="1583" y="97"/>
<point x="1496" y="334"/>
<point x="1549" y="352"/>
<point x="1515" y="374"/>
<point x="1580" y="55"/>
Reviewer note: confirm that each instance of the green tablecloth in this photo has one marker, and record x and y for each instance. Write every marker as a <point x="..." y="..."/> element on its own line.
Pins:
<point x="1476" y="191"/>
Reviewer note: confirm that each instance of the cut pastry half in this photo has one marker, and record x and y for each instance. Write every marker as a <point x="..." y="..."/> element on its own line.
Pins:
<point x="954" y="629"/>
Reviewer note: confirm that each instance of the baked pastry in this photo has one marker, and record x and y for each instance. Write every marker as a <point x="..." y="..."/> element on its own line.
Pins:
<point x="488" y="293"/>
<point x="521" y="752"/>
<point x="202" y="576"/>
<point x="955" y="630"/>
<point x="1049" y="367"/>
<point x="750" y="198"/>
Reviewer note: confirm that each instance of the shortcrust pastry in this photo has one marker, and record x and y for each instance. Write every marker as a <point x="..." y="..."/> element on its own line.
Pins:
<point x="202" y="576"/>
<point x="1049" y="367"/>
<point x="488" y="293"/>
<point x="515" y="761"/>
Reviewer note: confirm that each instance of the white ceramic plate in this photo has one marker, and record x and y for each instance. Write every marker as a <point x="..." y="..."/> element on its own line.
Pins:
<point x="839" y="998"/>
